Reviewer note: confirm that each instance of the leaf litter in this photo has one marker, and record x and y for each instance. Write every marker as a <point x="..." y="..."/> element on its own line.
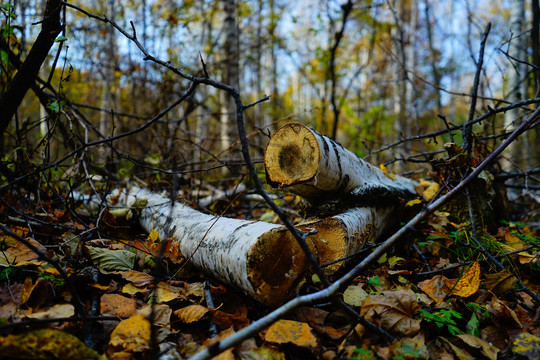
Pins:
<point x="449" y="307"/>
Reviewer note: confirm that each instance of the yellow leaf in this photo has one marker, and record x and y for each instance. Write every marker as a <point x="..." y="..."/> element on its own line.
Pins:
<point x="430" y="191"/>
<point x="527" y="345"/>
<point x="413" y="202"/>
<point x="166" y="292"/>
<point x="288" y="331"/>
<point x="386" y="173"/>
<point x="131" y="335"/>
<point x="154" y="235"/>
<point x="45" y="344"/>
<point x="468" y="284"/>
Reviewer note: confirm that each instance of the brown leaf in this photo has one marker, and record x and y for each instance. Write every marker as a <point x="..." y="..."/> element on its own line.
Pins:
<point x="191" y="313"/>
<point x="486" y="349"/>
<point x="393" y="311"/>
<point x="294" y="332"/>
<point x="436" y="287"/>
<point x="55" y="311"/>
<point x="503" y="314"/>
<point x="19" y="254"/>
<point x="137" y="278"/>
<point x="500" y="282"/>
<point x="118" y="305"/>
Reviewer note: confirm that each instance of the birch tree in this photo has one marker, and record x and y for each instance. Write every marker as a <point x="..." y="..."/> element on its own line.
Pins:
<point x="516" y="76"/>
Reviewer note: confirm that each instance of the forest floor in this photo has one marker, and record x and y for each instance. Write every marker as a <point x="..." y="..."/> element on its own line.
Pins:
<point x="437" y="293"/>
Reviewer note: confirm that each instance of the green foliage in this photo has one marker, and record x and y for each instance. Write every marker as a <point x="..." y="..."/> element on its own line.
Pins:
<point x="363" y="354"/>
<point x="443" y="319"/>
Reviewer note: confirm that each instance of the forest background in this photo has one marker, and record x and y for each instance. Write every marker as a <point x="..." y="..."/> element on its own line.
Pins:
<point x="147" y="92"/>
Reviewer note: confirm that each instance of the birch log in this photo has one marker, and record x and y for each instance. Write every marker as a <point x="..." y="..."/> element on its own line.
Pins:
<point x="310" y="164"/>
<point x="262" y="259"/>
<point x="346" y="233"/>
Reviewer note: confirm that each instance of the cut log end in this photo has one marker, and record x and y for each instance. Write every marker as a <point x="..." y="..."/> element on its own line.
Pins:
<point x="292" y="156"/>
<point x="275" y="265"/>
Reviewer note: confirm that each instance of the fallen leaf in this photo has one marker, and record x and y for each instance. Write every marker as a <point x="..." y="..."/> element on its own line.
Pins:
<point x="227" y="354"/>
<point x="486" y="349"/>
<point x="386" y="173"/>
<point x="226" y="320"/>
<point x="413" y="202"/>
<point x="503" y="314"/>
<point x="131" y="335"/>
<point x="436" y="287"/>
<point x="107" y="260"/>
<point x="467" y="284"/>
<point x="137" y="278"/>
<point x="45" y="344"/>
<point x="294" y="332"/>
<point x="427" y="189"/>
<point x="527" y="345"/>
<point x="166" y="292"/>
<point x="393" y="311"/>
<point x="19" y="254"/>
<point x="354" y="295"/>
<point x="161" y="313"/>
<point x="500" y="282"/>
<point x="191" y="313"/>
<point x="117" y="305"/>
<point x="55" y="311"/>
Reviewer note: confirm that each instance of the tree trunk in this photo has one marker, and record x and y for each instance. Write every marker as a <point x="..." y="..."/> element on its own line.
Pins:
<point x="109" y="82"/>
<point x="517" y="74"/>
<point x="314" y="166"/>
<point x="29" y="70"/>
<point x="231" y="73"/>
<point x="262" y="259"/>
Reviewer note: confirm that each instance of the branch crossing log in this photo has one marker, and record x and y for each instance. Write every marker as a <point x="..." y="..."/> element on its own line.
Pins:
<point x="335" y="181"/>
<point x="312" y="165"/>
<point x="346" y="233"/>
<point x="262" y="259"/>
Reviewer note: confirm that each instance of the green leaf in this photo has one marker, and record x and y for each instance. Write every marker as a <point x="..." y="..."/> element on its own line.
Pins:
<point x="473" y="326"/>
<point x="61" y="38"/>
<point x="108" y="260"/>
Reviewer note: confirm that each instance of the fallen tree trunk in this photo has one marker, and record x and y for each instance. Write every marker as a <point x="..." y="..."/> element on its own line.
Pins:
<point x="262" y="259"/>
<point x="344" y="234"/>
<point x="309" y="164"/>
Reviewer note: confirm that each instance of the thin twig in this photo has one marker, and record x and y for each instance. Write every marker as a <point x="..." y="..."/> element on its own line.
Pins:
<point x="467" y="127"/>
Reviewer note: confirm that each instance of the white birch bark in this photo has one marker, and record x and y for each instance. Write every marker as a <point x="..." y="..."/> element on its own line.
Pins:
<point x="310" y="164"/>
<point x="262" y="259"/>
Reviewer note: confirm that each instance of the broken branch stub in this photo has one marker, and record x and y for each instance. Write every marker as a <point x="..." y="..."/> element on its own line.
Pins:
<point x="262" y="259"/>
<point x="310" y="165"/>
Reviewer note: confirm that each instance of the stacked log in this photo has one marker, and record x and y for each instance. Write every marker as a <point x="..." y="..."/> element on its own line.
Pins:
<point x="264" y="260"/>
<point x="365" y="198"/>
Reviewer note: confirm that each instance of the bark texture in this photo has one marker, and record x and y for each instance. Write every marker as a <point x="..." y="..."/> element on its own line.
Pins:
<point x="28" y="72"/>
<point x="346" y="233"/>
<point x="262" y="259"/>
<point x="312" y="165"/>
